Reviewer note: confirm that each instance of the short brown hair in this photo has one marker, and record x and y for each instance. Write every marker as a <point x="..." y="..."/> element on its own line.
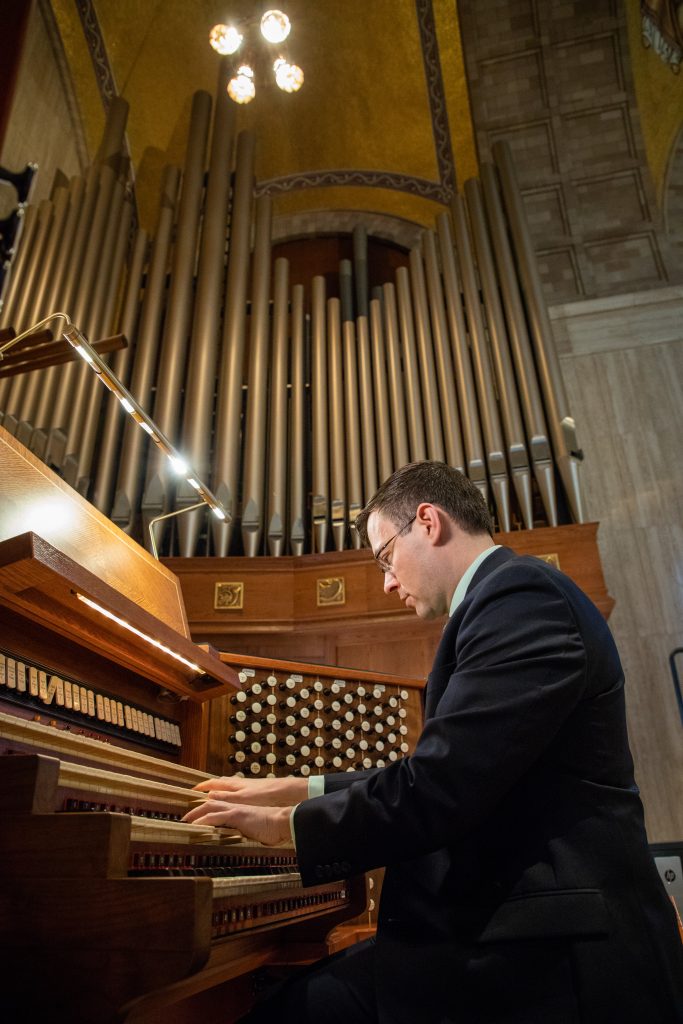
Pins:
<point x="398" y="497"/>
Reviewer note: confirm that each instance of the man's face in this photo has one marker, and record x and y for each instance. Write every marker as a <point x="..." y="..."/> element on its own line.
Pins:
<point x="411" y="559"/>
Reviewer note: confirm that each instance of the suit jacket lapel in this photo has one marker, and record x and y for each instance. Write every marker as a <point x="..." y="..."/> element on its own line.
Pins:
<point x="444" y="659"/>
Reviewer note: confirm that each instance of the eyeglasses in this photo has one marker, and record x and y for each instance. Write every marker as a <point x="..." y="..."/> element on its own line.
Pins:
<point x="384" y="563"/>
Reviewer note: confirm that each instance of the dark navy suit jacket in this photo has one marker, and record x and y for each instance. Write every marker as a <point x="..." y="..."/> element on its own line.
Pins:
<point x="519" y="886"/>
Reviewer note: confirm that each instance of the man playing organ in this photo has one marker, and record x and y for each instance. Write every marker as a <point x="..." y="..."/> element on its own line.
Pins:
<point x="519" y="886"/>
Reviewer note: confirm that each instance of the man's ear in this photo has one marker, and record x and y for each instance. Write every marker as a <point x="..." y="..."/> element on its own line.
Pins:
<point x="429" y="517"/>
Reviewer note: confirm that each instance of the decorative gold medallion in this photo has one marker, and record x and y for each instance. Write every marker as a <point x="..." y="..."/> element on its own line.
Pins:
<point x="331" y="591"/>
<point x="229" y="596"/>
<point x="552" y="559"/>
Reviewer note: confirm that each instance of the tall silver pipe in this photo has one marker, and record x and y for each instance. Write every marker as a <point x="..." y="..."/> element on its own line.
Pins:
<point x="354" y="475"/>
<point x="277" y="446"/>
<point x="201" y="374"/>
<point x="337" y="432"/>
<point x="253" y="471"/>
<point x="68" y="297"/>
<point x="411" y="373"/>
<point x="227" y="435"/>
<point x="360" y="269"/>
<point x="134" y="445"/>
<point x="380" y="391"/>
<point x="397" y="402"/>
<point x="121" y="364"/>
<point x="562" y="426"/>
<point x="442" y="357"/>
<point x="160" y="485"/>
<point x="425" y="352"/>
<point x="464" y="381"/>
<point x="22" y="261"/>
<point x="297" y="427"/>
<point x="527" y="381"/>
<point x="319" y="404"/>
<point x="518" y="456"/>
<point x="346" y="289"/>
<point x="367" y="409"/>
<point x="488" y="410"/>
<point x="21" y="382"/>
<point x="31" y="278"/>
<point x="49" y="384"/>
<point x="78" y="375"/>
<point x="113" y="254"/>
<point x="37" y="308"/>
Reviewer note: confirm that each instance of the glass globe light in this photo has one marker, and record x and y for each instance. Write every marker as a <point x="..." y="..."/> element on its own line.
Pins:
<point x="275" y="26"/>
<point x="241" y="88"/>
<point x="288" y="76"/>
<point x="225" y="39"/>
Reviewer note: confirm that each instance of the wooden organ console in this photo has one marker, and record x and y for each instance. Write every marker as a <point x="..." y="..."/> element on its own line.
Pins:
<point x="112" y="909"/>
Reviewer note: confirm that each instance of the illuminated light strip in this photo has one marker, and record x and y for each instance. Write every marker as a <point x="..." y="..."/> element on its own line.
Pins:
<point x="143" y="636"/>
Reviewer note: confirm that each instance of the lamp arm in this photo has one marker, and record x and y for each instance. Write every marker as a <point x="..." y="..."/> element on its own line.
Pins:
<point x="31" y="330"/>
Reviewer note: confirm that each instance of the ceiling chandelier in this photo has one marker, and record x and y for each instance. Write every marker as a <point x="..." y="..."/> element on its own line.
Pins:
<point x="227" y="39"/>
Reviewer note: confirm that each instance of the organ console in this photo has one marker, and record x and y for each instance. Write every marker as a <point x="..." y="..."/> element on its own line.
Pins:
<point x="111" y="908"/>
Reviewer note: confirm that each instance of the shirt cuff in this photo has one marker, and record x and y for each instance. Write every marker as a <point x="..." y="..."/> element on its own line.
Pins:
<point x="316" y="787"/>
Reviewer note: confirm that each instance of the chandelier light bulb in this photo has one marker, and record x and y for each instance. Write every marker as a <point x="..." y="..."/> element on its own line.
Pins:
<point x="275" y="26"/>
<point x="289" y="77"/>
<point x="225" y="39"/>
<point x="241" y="88"/>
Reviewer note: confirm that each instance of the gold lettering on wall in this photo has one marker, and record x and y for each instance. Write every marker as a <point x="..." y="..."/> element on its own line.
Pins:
<point x="229" y="596"/>
<point x="331" y="590"/>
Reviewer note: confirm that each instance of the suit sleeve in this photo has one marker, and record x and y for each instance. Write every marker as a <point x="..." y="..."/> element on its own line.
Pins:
<point x="518" y="670"/>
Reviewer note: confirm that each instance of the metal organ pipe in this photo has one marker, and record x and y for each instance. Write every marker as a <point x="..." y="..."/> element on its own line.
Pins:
<point x="200" y="384"/>
<point x="229" y="405"/>
<point x="176" y="330"/>
<point x="562" y="426"/>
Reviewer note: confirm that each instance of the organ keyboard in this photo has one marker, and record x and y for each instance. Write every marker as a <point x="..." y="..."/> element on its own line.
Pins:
<point x="111" y="908"/>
